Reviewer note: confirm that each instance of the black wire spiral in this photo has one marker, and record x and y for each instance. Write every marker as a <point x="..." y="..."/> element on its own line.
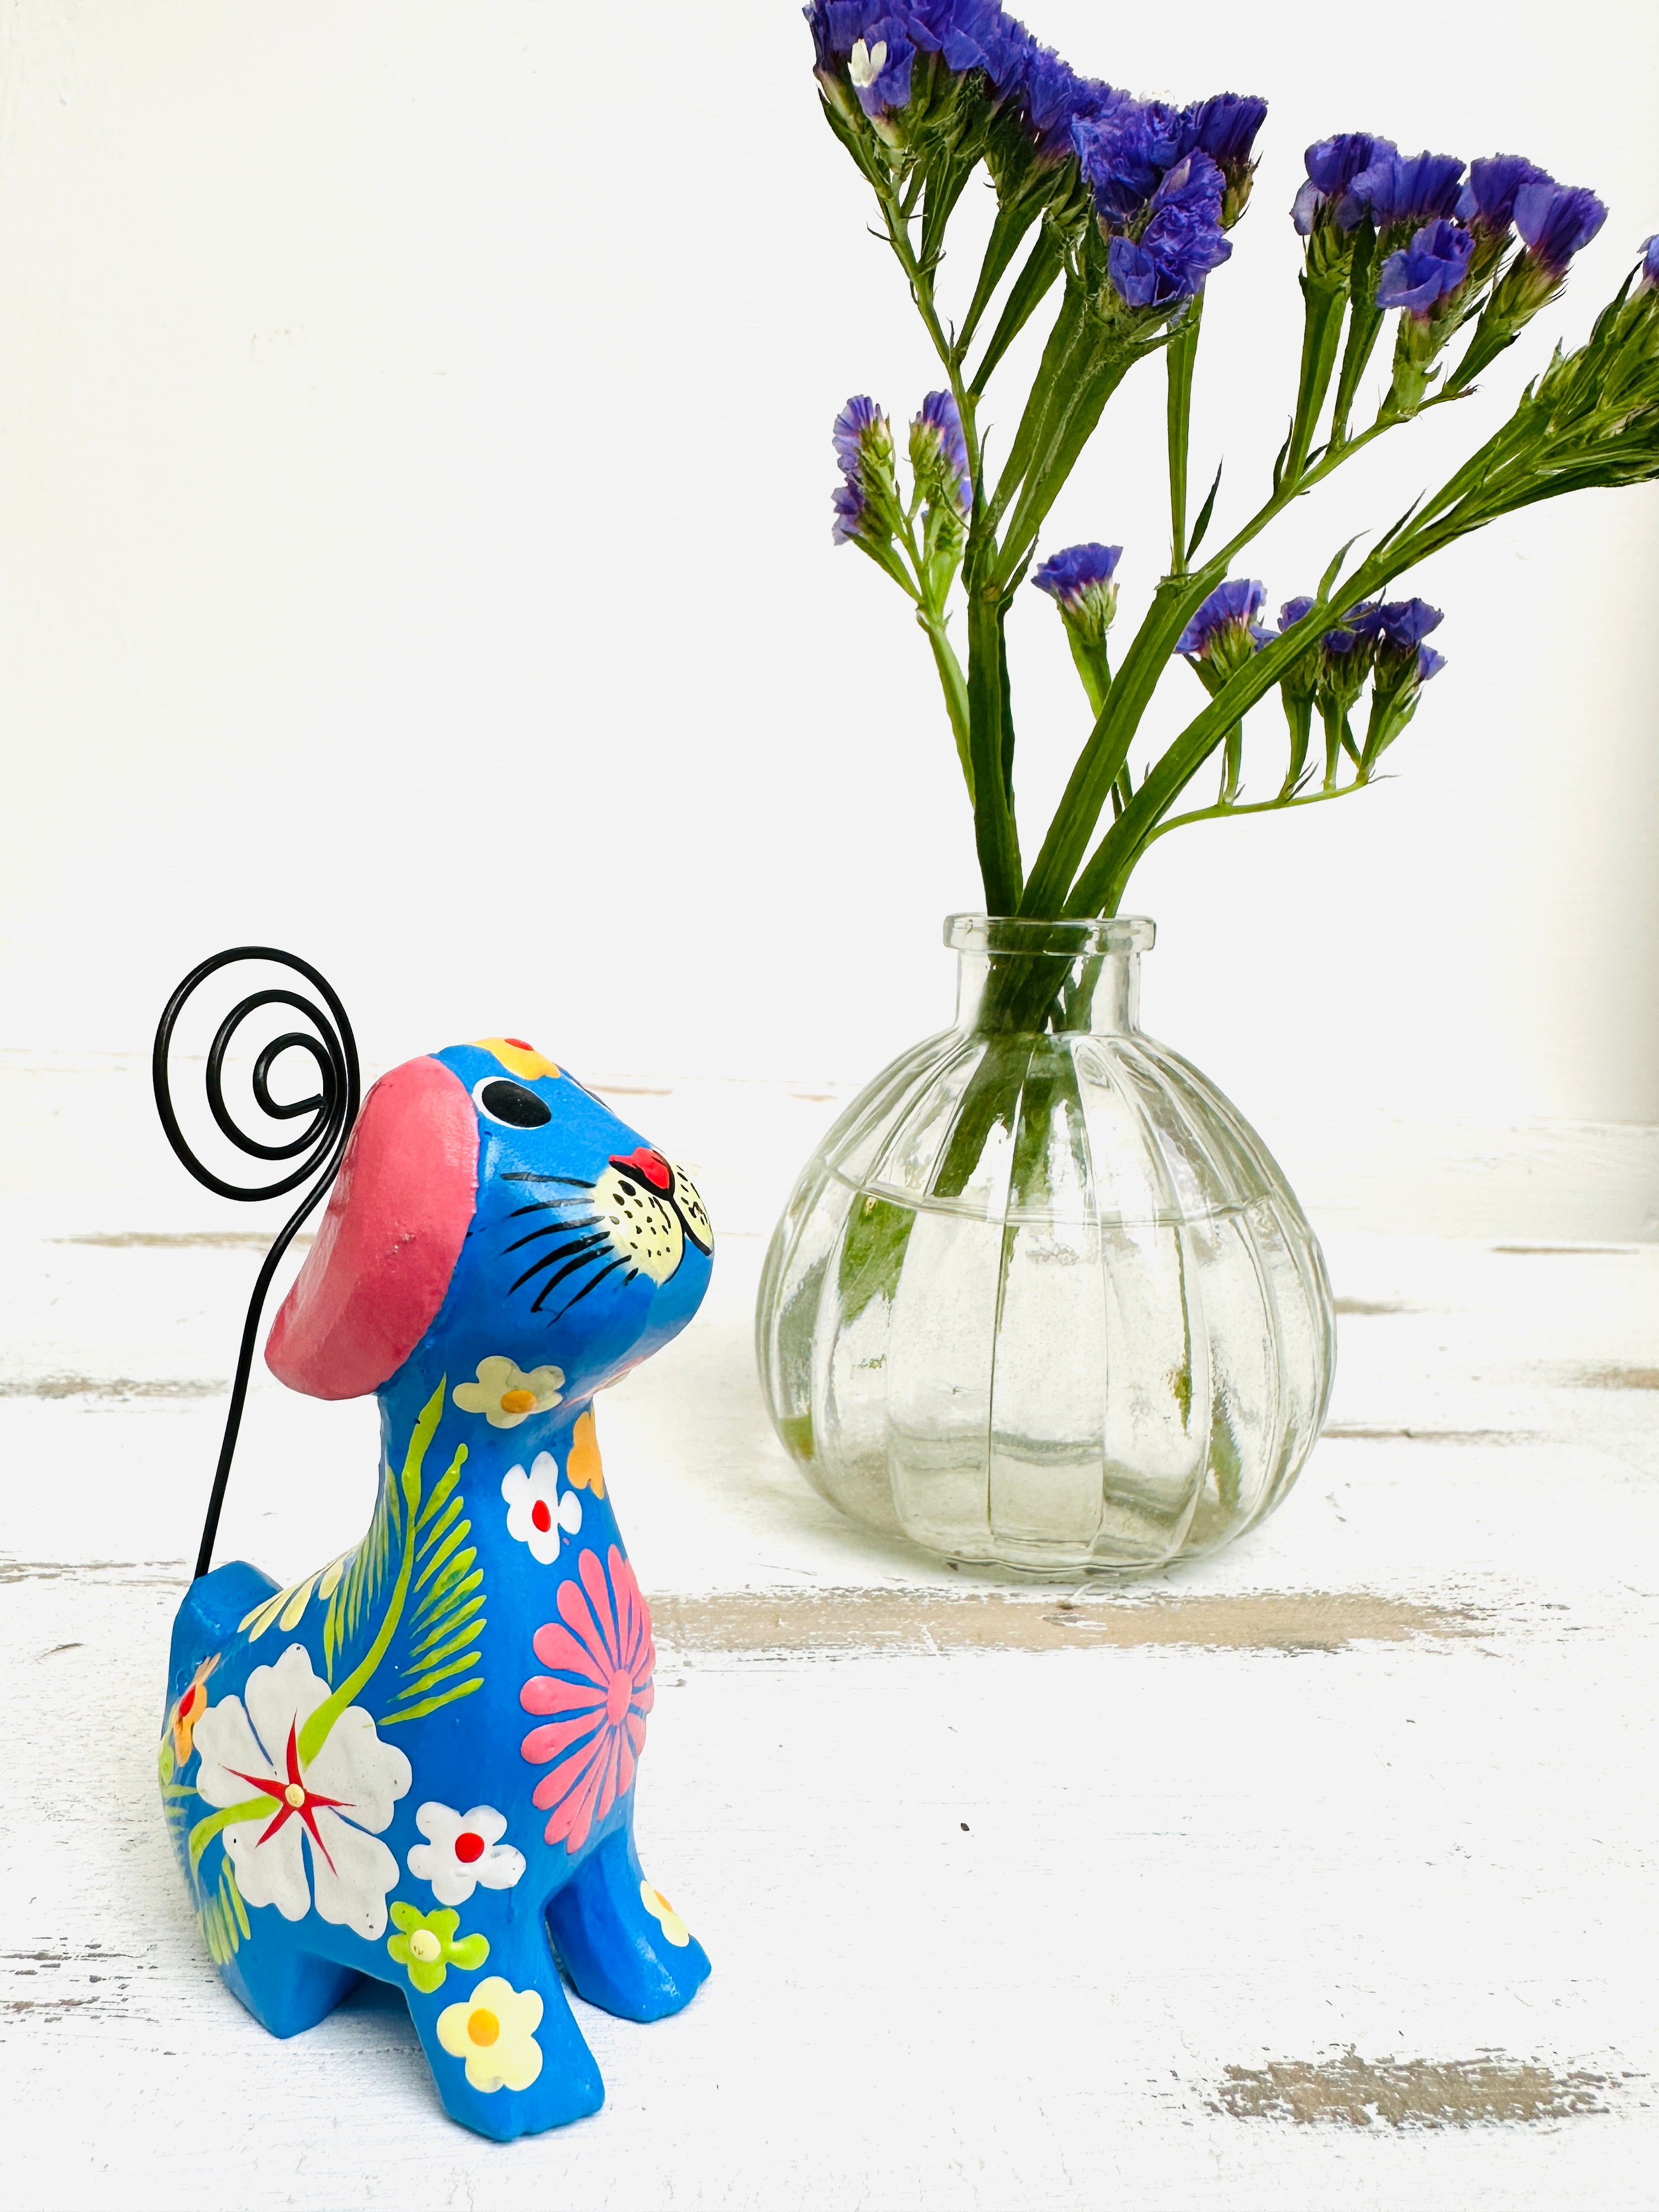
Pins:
<point x="332" y="1109"/>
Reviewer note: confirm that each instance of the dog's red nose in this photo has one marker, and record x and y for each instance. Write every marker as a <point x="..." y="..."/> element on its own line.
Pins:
<point x="650" y="1167"/>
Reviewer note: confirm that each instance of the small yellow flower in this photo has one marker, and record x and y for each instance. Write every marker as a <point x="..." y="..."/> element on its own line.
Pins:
<point x="584" y="1469"/>
<point x="662" y="1912"/>
<point x="506" y="1395"/>
<point x="494" y="2031"/>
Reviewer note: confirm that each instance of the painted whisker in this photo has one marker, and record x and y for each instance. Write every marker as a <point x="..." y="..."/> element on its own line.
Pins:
<point x="582" y="1245"/>
<point x="570" y="1267"/>
<point x="592" y="1283"/>
<point x="552" y="1229"/>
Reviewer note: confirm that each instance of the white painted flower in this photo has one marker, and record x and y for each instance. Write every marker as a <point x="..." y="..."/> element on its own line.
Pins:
<point x="330" y="1808"/>
<point x="664" y="1915"/>
<point x="505" y="1394"/>
<point x="461" y="1850"/>
<point x="536" y="1514"/>
<point x="865" y="63"/>
<point x="493" y="2030"/>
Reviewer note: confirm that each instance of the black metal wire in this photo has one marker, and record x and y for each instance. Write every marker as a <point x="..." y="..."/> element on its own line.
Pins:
<point x="332" y="1109"/>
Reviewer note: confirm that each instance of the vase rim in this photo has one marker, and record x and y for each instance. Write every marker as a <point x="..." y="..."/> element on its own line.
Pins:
<point x="1073" y="937"/>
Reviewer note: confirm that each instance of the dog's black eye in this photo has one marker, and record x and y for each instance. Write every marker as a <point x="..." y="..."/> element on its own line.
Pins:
<point x="511" y="1103"/>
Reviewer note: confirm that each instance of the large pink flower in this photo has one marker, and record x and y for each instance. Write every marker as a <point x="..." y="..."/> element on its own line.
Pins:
<point x="601" y="1646"/>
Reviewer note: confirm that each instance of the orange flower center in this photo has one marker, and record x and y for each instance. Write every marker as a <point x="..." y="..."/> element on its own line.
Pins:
<point x="618" y="1698"/>
<point x="518" y="1401"/>
<point x="482" y="2026"/>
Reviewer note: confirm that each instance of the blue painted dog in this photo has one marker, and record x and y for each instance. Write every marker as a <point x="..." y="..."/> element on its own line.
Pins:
<point x="420" y="1762"/>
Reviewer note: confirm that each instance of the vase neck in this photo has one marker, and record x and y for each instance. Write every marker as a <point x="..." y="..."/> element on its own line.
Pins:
<point x="1067" y="978"/>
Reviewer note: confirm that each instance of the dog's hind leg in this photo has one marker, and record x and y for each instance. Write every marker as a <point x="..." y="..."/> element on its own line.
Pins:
<point x="287" y="1990"/>
<point x="623" y="1945"/>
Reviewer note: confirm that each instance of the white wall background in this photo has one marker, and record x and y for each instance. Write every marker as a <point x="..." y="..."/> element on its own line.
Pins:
<point x="414" y="550"/>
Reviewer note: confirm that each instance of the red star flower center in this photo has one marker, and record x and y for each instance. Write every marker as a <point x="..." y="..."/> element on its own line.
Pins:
<point x="291" y="1795"/>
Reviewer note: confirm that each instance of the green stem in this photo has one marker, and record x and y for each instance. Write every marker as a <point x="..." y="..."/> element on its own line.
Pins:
<point x="1107" y="747"/>
<point x="1298" y="713"/>
<point x="1178" y="360"/>
<point x="1007" y="231"/>
<point x="1321" y="334"/>
<point x="989" y="735"/>
<point x="1100" y="886"/>
<point x="1278" y="806"/>
<point x="1069" y="425"/>
<point x="955" y="687"/>
<point x="1364" y="323"/>
<point x="1094" y="667"/>
<point x="1025" y="295"/>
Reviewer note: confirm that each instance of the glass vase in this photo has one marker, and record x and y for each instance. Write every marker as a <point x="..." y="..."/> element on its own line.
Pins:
<point x="1041" y="1300"/>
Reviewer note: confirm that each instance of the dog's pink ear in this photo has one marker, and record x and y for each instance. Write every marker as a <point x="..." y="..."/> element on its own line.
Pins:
<point x="397" y="1218"/>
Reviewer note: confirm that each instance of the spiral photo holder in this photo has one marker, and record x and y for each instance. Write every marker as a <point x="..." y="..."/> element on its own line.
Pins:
<point x="316" y="1150"/>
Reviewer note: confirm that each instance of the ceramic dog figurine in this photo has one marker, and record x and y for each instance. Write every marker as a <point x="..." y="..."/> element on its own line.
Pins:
<point x="420" y="1762"/>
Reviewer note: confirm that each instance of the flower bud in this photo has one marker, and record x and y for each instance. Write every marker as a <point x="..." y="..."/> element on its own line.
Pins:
<point x="938" y="455"/>
<point x="1081" y="582"/>
<point x="1225" y="634"/>
<point x="867" y="503"/>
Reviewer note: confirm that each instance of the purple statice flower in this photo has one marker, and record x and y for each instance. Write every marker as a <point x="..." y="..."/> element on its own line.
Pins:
<point x="860" y="418"/>
<point x="1224" y="128"/>
<point x="849" y="504"/>
<point x="1080" y="581"/>
<point x="1358" y="630"/>
<point x="1183" y="240"/>
<point x="1404" y="623"/>
<point x="1331" y="165"/>
<point x="1428" y="663"/>
<point x="1431" y="270"/>
<point x="1555" y="222"/>
<point x="1649" y="278"/>
<point x="939" y="454"/>
<point x="969" y="34"/>
<point x="864" y="452"/>
<point x="875" y="43"/>
<point x="879" y="70"/>
<point x="1125" y="154"/>
<point x="1486" y="202"/>
<point x="1226" y="621"/>
<point x="1293" y="612"/>
<point x="1399" y="191"/>
<point x="1056" y="98"/>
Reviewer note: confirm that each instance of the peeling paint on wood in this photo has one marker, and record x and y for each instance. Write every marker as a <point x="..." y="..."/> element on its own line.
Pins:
<point x="115" y="1386"/>
<point x="184" y="1240"/>
<point x="1373" y="1306"/>
<point x="1351" y="2091"/>
<point x="859" y="1623"/>
<point x="1355" y="1432"/>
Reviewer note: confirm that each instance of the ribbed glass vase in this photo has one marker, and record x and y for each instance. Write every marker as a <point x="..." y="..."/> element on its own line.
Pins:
<point x="1041" y="1299"/>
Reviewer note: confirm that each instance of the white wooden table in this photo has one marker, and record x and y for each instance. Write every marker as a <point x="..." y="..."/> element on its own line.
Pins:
<point x="1320" y="1875"/>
